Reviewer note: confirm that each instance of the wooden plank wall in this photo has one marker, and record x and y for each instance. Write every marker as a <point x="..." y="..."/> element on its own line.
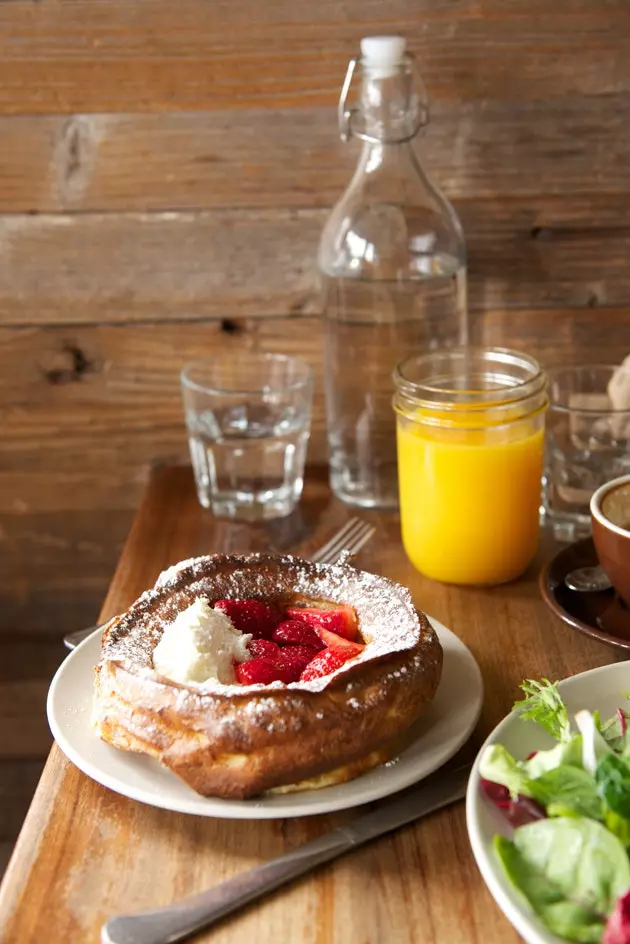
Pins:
<point x="165" y="169"/>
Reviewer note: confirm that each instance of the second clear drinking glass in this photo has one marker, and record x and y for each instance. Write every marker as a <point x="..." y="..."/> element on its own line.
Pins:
<point x="392" y="261"/>
<point x="588" y="444"/>
<point x="248" y="418"/>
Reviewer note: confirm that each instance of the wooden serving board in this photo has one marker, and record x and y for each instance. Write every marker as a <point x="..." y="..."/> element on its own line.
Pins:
<point x="86" y="853"/>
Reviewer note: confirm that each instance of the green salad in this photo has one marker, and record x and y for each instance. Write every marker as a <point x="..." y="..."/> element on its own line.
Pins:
<point x="570" y="808"/>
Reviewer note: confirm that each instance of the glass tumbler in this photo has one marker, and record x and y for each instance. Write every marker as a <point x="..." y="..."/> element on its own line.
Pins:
<point x="470" y="429"/>
<point x="588" y="444"/>
<point x="248" y="418"/>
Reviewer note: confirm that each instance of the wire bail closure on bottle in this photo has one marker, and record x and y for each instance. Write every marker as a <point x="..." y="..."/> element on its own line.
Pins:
<point x="346" y="116"/>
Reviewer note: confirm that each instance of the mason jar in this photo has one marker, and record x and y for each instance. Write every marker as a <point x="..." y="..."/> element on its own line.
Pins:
<point x="470" y="429"/>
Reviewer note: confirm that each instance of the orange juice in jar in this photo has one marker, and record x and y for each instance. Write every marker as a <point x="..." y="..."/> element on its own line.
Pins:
<point x="470" y="428"/>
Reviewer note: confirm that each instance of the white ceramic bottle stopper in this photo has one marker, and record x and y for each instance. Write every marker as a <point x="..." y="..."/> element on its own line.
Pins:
<point x="382" y="55"/>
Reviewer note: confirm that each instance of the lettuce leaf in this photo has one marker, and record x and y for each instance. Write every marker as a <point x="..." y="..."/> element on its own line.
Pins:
<point x="571" y="870"/>
<point x="612" y="776"/>
<point x="615" y="730"/>
<point x="594" y="746"/>
<point x="566" y="791"/>
<point x="543" y="704"/>
<point x="618" y="825"/>
<point x="567" y="753"/>
<point x="498" y="765"/>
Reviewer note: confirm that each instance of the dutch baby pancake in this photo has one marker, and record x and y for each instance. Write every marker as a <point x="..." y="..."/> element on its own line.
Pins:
<point x="248" y="674"/>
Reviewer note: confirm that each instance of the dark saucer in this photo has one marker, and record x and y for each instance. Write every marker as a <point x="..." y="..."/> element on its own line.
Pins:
<point x="599" y="615"/>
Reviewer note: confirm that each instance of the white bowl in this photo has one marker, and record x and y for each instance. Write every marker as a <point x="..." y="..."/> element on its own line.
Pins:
<point x="598" y="689"/>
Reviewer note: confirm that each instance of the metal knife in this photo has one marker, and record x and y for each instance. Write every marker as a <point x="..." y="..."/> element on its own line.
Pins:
<point x="178" y="921"/>
<point x="72" y="640"/>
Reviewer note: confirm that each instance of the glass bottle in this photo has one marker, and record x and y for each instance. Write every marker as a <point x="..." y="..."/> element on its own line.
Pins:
<point x="392" y="261"/>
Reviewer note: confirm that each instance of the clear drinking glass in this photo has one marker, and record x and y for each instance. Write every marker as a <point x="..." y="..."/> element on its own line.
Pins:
<point x="588" y="443"/>
<point x="248" y="417"/>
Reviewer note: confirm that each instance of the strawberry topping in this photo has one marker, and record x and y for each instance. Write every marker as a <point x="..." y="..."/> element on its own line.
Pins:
<point x="298" y="656"/>
<point x="251" y="616"/>
<point x="296" y="633"/>
<point x="324" y="663"/>
<point x="313" y="643"/>
<point x="264" y="671"/>
<point x="340" y="619"/>
<point x="263" y="648"/>
<point x="337" y="643"/>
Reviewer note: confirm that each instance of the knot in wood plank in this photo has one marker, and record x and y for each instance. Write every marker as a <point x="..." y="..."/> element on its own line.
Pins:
<point x="75" y="365"/>
<point x="74" y="157"/>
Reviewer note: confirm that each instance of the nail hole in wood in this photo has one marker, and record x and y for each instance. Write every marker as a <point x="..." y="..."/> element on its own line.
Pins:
<point x="228" y="326"/>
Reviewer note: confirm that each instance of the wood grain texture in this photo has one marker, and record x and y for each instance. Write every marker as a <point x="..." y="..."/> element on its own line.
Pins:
<point x="81" y="439"/>
<point x="293" y="157"/>
<point x="99" y="429"/>
<point x="148" y="267"/>
<point x="77" y="55"/>
<point x="28" y="657"/>
<point x="24" y="732"/>
<point x="55" y="570"/>
<point x="18" y="780"/>
<point x="85" y="268"/>
<point x="167" y="165"/>
<point x="64" y="882"/>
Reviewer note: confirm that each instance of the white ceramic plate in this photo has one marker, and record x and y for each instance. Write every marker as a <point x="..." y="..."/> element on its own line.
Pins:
<point x="440" y="733"/>
<point x="597" y="689"/>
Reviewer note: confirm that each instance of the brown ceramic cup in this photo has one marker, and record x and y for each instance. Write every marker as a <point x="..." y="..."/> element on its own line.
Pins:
<point x="610" y="514"/>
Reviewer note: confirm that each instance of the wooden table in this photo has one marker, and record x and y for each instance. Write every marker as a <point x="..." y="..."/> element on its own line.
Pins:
<point x="86" y="853"/>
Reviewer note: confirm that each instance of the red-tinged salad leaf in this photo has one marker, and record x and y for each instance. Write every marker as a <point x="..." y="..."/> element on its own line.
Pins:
<point x="569" y="805"/>
<point x="517" y="811"/>
<point x="615" y="730"/>
<point x="498" y="766"/>
<point x="618" y="927"/>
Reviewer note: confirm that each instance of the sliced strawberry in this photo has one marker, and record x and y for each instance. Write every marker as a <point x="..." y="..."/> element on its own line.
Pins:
<point x="296" y="633"/>
<point x="292" y="668"/>
<point x="339" y="644"/>
<point x="251" y="616"/>
<point x="324" y="663"/>
<point x="263" y="671"/>
<point x="340" y="619"/>
<point x="297" y="656"/>
<point x="260" y="648"/>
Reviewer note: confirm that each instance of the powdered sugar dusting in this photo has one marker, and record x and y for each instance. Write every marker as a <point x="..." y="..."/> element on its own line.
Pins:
<point x="168" y="575"/>
<point x="387" y="618"/>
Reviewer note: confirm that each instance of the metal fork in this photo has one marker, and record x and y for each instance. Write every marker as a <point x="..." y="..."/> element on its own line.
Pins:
<point x="348" y="540"/>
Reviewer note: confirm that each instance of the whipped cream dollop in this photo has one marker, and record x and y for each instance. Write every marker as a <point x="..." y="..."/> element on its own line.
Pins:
<point x="200" y="644"/>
